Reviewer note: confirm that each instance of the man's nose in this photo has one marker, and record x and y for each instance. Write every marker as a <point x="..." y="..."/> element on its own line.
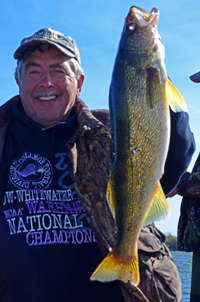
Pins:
<point x="46" y="80"/>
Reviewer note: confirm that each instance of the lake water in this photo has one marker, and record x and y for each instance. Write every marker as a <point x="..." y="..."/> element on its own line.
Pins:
<point x="183" y="262"/>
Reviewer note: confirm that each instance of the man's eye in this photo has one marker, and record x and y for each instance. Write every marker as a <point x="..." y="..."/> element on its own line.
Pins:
<point x="59" y="71"/>
<point x="33" y="72"/>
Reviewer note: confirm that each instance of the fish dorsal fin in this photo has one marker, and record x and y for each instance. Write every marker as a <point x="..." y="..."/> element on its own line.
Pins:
<point x="110" y="195"/>
<point x="158" y="207"/>
<point x="174" y="99"/>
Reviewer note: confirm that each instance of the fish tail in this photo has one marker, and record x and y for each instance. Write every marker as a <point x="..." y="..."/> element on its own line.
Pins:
<point x="116" y="267"/>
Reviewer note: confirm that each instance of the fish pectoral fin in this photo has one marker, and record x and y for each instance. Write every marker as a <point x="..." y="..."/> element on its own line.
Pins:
<point x="158" y="207"/>
<point x="174" y="99"/>
<point x="116" y="267"/>
<point x="154" y="90"/>
<point x="110" y="194"/>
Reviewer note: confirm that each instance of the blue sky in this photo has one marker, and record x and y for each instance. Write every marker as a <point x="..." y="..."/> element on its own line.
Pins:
<point x="96" y="26"/>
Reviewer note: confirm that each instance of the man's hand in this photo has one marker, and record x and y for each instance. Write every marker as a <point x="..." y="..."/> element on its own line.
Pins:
<point x="173" y="192"/>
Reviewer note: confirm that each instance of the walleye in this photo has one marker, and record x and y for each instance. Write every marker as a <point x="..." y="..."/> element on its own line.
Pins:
<point x="139" y="100"/>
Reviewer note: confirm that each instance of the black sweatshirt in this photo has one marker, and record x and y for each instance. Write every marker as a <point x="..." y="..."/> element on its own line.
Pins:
<point x="48" y="250"/>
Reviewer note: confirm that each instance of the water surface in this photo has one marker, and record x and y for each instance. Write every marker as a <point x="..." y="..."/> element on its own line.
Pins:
<point x="183" y="262"/>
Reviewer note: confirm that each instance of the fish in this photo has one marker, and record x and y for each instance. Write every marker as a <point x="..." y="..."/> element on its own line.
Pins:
<point x="29" y="170"/>
<point x="140" y="96"/>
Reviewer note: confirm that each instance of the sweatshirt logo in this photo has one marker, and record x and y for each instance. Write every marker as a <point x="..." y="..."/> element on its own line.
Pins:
<point x="31" y="171"/>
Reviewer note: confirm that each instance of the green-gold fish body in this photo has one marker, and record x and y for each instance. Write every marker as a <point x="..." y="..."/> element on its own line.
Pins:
<point x="139" y="105"/>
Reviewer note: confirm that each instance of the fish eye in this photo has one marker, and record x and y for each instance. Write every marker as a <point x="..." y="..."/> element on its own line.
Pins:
<point x="131" y="27"/>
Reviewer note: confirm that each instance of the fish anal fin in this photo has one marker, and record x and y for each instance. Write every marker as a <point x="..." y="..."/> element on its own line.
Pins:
<point x="174" y="99"/>
<point x="110" y="194"/>
<point x="116" y="267"/>
<point x="158" y="207"/>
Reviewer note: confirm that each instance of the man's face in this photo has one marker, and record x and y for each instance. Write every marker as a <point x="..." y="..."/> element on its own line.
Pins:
<point x="48" y="87"/>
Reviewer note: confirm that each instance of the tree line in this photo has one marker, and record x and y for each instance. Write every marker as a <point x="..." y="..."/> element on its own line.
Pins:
<point x="171" y="242"/>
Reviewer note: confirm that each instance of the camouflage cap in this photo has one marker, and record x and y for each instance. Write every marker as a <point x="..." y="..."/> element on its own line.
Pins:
<point x="195" y="77"/>
<point x="49" y="35"/>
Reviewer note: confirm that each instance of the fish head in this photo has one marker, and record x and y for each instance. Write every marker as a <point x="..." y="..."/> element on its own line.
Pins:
<point x="140" y="41"/>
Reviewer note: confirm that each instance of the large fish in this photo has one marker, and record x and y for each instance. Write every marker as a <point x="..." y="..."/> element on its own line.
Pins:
<point x="140" y="96"/>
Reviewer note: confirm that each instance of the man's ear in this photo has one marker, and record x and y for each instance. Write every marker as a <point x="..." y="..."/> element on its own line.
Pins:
<point x="79" y="85"/>
<point x="18" y="83"/>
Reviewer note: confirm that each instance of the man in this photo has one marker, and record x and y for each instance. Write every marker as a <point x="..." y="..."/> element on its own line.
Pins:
<point x="56" y="157"/>
<point x="188" y="226"/>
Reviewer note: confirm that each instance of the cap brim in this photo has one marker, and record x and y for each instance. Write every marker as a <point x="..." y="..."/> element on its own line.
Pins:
<point x="20" y="50"/>
<point x="195" y="77"/>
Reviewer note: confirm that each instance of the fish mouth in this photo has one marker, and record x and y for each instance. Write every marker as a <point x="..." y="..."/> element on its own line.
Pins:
<point x="142" y="17"/>
<point x="143" y="26"/>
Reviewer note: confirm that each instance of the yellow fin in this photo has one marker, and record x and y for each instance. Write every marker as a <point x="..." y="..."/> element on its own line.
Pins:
<point x="116" y="267"/>
<point x="110" y="195"/>
<point x="158" y="207"/>
<point x="174" y="99"/>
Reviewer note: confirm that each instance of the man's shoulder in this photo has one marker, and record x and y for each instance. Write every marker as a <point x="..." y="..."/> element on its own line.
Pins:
<point x="6" y="109"/>
<point x="103" y="115"/>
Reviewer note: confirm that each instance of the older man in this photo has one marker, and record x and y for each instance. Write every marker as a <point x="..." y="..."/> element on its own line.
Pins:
<point x="56" y="155"/>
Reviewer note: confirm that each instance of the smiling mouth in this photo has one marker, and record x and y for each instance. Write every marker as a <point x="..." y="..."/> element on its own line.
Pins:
<point x="47" y="95"/>
<point x="47" y="98"/>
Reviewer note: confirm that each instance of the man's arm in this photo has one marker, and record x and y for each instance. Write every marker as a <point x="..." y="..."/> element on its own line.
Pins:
<point x="189" y="185"/>
<point x="181" y="149"/>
